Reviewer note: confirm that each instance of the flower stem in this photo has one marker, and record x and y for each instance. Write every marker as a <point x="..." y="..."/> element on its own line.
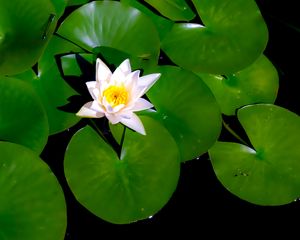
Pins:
<point x="122" y="141"/>
<point x="233" y="133"/>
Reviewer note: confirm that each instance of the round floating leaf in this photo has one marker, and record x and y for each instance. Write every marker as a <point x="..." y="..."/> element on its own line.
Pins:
<point x="51" y="87"/>
<point x="269" y="173"/>
<point x="123" y="190"/>
<point x="233" y="37"/>
<point x="188" y="109"/>
<point x="25" y="27"/>
<point x="176" y="10"/>
<point x="112" y="24"/>
<point x="32" y="204"/>
<point x="22" y="116"/>
<point x="257" y="83"/>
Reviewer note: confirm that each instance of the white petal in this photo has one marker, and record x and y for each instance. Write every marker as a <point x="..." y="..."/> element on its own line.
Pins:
<point x="118" y="108"/>
<point x="125" y="67"/>
<point x="96" y="107"/>
<point x="148" y="80"/>
<point x="87" y="112"/>
<point x="141" y="104"/>
<point x="144" y="84"/>
<point x="93" y="89"/>
<point x="131" y="80"/>
<point x="134" y="123"/>
<point x="114" y="119"/>
<point x="121" y="72"/>
<point x="108" y="107"/>
<point x="103" y="73"/>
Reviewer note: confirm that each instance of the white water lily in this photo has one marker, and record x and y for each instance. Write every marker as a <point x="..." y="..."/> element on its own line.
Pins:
<point x="117" y="95"/>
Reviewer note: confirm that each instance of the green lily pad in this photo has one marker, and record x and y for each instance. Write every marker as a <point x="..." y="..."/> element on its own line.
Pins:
<point x="25" y="28"/>
<point x="162" y="24"/>
<point x="59" y="6"/>
<point x="22" y="117"/>
<point x="131" y="188"/>
<point x="257" y="83"/>
<point x="70" y="65"/>
<point x="268" y="174"/>
<point x="233" y="37"/>
<point x="188" y="109"/>
<point x="176" y="10"/>
<point x="51" y="87"/>
<point x="32" y="204"/>
<point x="112" y="24"/>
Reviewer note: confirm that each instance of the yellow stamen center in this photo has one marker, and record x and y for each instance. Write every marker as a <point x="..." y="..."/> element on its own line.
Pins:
<point x="116" y="95"/>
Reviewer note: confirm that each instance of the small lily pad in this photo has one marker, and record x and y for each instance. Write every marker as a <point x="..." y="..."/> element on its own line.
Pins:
<point x="234" y="35"/>
<point x="268" y="173"/>
<point x="257" y="83"/>
<point x="126" y="189"/>
<point x="23" y="119"/>
<point x="32" y="204"/>
<point x="187" y="108"/>
<point x="112" y="24"/>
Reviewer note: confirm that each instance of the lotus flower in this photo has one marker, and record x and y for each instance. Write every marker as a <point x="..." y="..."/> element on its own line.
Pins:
<point x="118" y="95"/>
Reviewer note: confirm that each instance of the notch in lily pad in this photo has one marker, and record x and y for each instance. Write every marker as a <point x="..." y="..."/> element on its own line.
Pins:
<point x="268" y="172"/>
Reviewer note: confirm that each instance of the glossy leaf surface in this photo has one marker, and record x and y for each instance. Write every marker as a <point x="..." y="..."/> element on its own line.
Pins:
<point x="188" y="109"/>
<point x="112" y="24"/>
<point x="25" y="28"/>
<point x="234" y="35"/>
<point x="123" y="190"/>
<point x="23" y="119"/>
<point x="257" y="83"/>
<point x="268" y="174"/>
<point x="31" y="200"/>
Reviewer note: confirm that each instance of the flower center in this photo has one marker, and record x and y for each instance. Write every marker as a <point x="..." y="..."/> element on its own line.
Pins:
<point x="116" y="95"/>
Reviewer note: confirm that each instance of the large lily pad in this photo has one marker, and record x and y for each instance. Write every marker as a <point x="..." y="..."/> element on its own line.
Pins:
<point x="267" y="174"/>
<point x="132" y="187"/>
<point x="234" y="35"/>
<point x="188" y="109"/>
<point x="257" y="83"/>
<point x="25" y="28"/>
<point x="23" y="119"/>
<point x="112" y="24"/>
<point x="32" y="203"/>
